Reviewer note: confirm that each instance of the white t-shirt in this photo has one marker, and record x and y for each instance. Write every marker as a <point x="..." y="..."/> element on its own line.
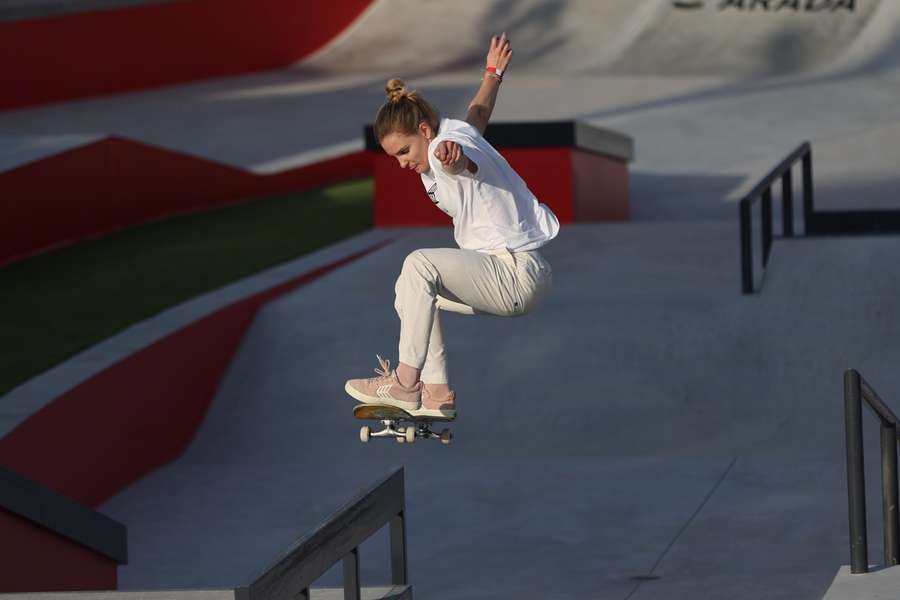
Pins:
<point x="492" y="209"/>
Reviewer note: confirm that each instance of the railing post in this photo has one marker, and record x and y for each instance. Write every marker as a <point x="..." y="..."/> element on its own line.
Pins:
<point x="351" y="576"/>
<point x="399" y="575"/>
<point x="856" y="486"/>
<point x="808" y="192"/>
<point x="889" y="492"/>
<point x="787" y="204"/>
<point x="767" y="224"/>
<point x="746" y="248"/>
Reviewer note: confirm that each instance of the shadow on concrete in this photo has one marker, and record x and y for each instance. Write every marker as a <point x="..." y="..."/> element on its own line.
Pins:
<point x="682" y="197"/>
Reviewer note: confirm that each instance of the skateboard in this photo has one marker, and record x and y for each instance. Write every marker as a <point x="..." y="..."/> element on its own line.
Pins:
<point x="393" y="419"/>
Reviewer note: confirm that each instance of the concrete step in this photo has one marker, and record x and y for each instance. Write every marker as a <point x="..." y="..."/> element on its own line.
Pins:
<point x="397" y="592"/>
<point x="883" y="584"/>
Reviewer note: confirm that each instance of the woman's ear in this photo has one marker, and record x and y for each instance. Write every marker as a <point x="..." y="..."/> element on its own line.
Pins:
<point x="426" y="130"/>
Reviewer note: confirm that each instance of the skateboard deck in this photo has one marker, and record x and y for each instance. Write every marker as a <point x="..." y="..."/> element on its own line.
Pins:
<point x="399" y="424"/>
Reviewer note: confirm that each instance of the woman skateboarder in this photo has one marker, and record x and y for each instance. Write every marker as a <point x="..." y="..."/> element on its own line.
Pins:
<point x="497" y="223"/>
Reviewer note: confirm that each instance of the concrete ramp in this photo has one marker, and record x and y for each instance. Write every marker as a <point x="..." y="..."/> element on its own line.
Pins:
<point x="395" y="36"/>
<point x="746" y="38"/>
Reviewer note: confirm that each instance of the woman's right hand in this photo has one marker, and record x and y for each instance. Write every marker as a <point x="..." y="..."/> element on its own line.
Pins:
<point x="500" y="52"/>
<point x="451" y="156"/>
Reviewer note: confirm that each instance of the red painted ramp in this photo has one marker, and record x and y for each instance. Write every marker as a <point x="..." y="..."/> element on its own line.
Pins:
<point x="113" y="51"/>
<point x="115" y="183"/>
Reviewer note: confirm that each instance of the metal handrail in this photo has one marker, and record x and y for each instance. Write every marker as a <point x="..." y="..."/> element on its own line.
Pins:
<point x="856" y="389"/>
<point x="290" y="577"/>
<point x="763" y="191"/>
<point x="339" y="538"/>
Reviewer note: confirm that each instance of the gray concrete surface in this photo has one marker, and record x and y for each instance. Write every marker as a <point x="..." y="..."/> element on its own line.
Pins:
<point x="617" y="36"/>
<point x="690" y="433"/>
<point x="378" y="593"/>
<point x="878" y="585"/>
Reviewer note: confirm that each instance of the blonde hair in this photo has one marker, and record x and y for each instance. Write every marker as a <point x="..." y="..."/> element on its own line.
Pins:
<point x="403" y="111"/>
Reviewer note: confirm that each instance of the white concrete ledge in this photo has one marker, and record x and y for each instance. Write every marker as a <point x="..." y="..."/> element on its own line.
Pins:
<point x="883" y="584"/>
<point x="401" y="592"/>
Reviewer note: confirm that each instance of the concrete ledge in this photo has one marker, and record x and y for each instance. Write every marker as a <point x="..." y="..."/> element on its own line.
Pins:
<point x="578" y="135"/>
<point x="579" y="170"/>
<point x="883" y="584"/>
<point x="401" y="592"/>
<point x="62" y="515"/>
<point x="604" y="141"/>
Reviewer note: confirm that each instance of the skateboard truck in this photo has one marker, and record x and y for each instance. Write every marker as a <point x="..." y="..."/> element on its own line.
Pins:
<point x="399" y="424"/>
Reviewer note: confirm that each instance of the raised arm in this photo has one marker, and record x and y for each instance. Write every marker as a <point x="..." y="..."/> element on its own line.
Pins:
<point x="482" y="105"/>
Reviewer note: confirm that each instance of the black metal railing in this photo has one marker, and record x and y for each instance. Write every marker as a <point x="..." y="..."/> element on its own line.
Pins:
<point x="815" y="222"/>
<point x="857" y="390"/>
<point x="339" y="538"/>
<point x="763" y="192"/>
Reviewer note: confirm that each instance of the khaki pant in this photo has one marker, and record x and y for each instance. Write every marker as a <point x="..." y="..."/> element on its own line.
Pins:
<point x="506" y="284"/>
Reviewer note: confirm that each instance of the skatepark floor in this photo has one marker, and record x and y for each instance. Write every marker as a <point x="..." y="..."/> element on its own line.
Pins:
<point x="690" y="433"/>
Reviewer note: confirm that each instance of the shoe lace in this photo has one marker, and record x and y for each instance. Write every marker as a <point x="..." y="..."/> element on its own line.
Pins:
<point x="385" y="370"/>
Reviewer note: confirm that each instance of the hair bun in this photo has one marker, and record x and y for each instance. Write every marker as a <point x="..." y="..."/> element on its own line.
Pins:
<point x="395" y="90"/>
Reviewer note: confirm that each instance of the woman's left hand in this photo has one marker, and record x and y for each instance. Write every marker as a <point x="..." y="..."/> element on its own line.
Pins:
<point x="500" y="52"/>
<point x="451" y="156"/>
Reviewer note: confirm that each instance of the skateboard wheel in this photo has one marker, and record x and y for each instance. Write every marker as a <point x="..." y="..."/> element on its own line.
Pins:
<point x="400" y="439"/>
<point x="365" y="434"/>
<point x="446" y="437"/>
<point x="410" y="434"/>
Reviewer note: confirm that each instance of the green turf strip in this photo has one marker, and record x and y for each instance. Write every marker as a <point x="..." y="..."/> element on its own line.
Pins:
<point x="56" y="304"/>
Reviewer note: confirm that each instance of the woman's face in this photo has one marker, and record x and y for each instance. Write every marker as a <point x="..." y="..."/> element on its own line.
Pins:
<point x="411" y="151"/>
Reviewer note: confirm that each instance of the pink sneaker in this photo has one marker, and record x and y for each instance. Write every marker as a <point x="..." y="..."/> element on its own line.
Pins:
<point x="444" y="408"/>
<point x="385" y="389"/>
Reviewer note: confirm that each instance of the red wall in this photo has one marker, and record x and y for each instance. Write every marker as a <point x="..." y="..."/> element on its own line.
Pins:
<point x="601" y="188"/>
<point x="111" y="51"/>
<point x="34" y="559"/>
<point x="116" y="183"/>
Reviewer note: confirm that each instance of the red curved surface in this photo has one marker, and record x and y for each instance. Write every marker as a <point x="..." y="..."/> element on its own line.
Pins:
<point x="142" y="412"/>
<point x="115" y="183"/>
<point x="112" y="51"/>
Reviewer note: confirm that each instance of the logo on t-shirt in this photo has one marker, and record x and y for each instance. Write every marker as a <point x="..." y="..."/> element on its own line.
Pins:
<point x="432" y="193"/>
